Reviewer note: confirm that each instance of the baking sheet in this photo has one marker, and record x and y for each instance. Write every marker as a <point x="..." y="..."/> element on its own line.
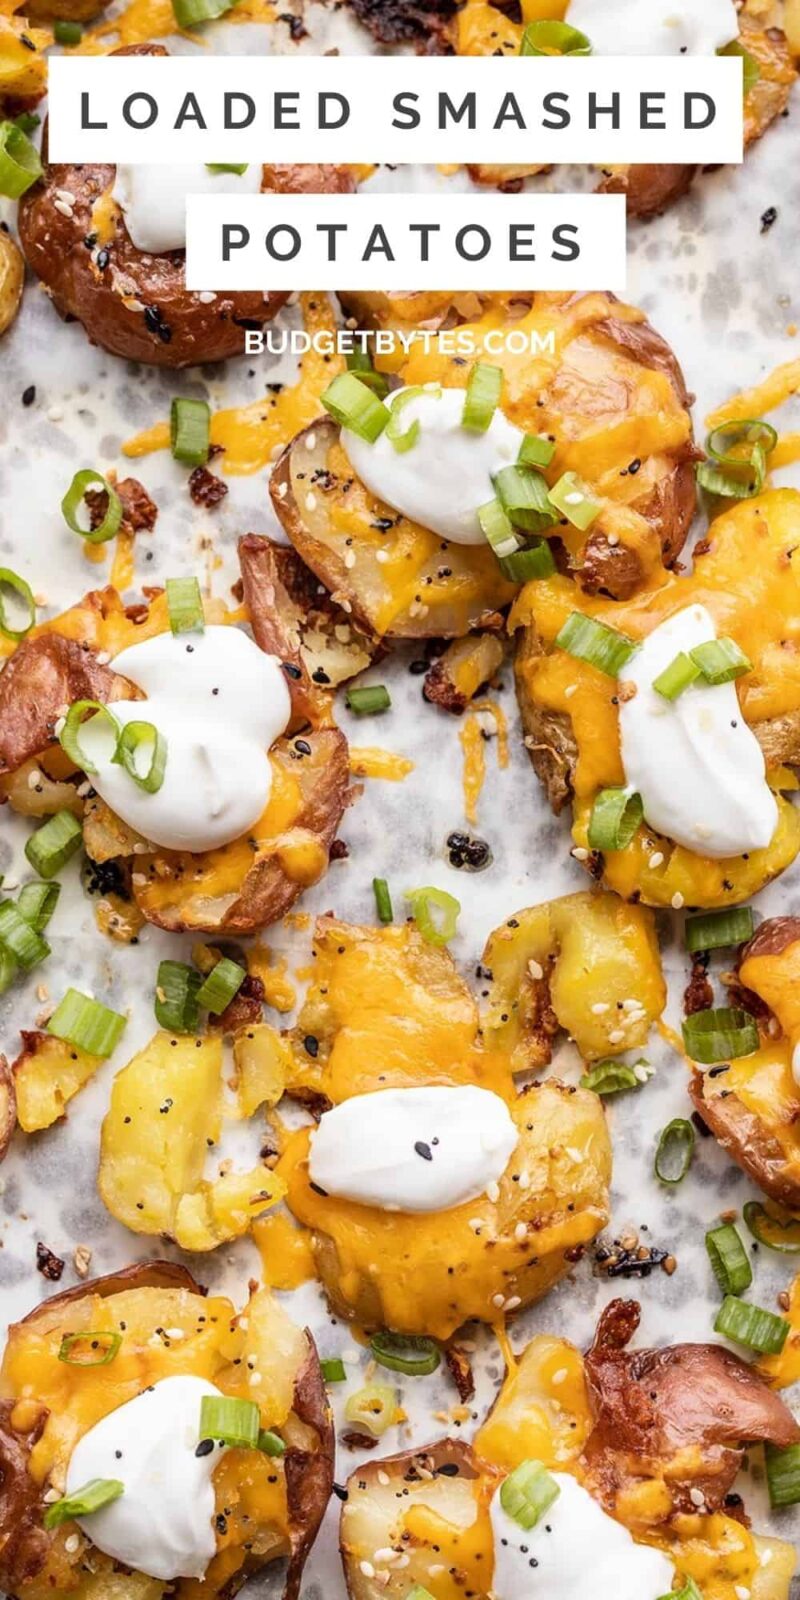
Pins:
<point x="726" y="295"/>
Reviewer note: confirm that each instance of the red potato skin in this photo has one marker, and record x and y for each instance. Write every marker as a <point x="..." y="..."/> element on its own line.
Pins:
<point x="8" y="1106"/>
<point x="650" y="1405"/>
<point x="42" y="677"/>
<point x="309" y="1474"/>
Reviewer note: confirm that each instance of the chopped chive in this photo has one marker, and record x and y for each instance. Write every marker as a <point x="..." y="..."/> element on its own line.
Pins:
<point x="383" y="900"/>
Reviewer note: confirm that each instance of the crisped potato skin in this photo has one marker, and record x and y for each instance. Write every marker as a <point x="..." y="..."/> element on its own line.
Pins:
<point x="684" y="1413"/>
<point x="142" y="1301"/>
<point x="41" y="677"/>
<point x="429" y="1274"/>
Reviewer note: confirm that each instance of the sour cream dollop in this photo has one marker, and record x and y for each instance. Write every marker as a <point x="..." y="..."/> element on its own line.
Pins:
<point x="220" y="702"/>
<point x="447" y="475"/>
<point x="697" y="766"/>
<point x="655" y="27"/>
<point x="162" y="1524"/>
<point x="579" y="1552"/>
<point x="415" y="1150"/>
<point x="153" y="199"/>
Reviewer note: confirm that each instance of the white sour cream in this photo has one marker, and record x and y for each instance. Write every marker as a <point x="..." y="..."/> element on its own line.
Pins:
<point x="220" y="702"/>
<point x="162" y="1524"/>
<point x="153" y="199"/>
<point x="655" y="27"/>
<point x="575" y="1552"/>
<point x="447" y="475"/>
<point x="413" y="1149"/>
<point x="697" y="766"/>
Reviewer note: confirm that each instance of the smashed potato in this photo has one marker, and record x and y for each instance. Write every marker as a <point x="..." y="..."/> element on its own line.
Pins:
<point x="587" y="964"/>
<point x="607" y="390"/>
<point x="270" y="1507"/>
<point x="746" y="574"/>
<point x="47" y="1073"/>
<point x="753" y="1106"/>
<point x="165" y="1115"/>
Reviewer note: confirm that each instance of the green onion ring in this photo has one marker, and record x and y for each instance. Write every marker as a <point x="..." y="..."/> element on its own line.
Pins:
<point x="91" y="1497"/>
<point x="235" y="1422"/>
<point x="190" y="431"/>
<point x="498" y="530"/>
<point x="52" y="845"/>
<point x="22" y="942"/>
<point x="69" y="737"/>
<point x="729" y="1260"/>
<point x="589" y="640"/>
<point x="353" y="405"/>
<point x="133" y="736"/>
<point x="554" y="39"/>
<point x="718" y="930"/>
<point x="527" y="1493"/>
<point x="758" y="1220"/>
<point x="221" y="986"/>
<point x="535" y="561"/>
<point x="752" y="1326"/>
<point x="615" y="819"/>
<point x="674" y="1151"/>
<point x="74" y="497"/>
<point x="269" y="1443"/>
<point x="108" y="1343"/>
<point x="85" y="1022"/>
<point x="369" y="700"/>
<point x="423" y="903"/>
<point x="783" y="1475"/>
<point x="20" y="164"/>
<point x="176" y="1005"/>
<point x="36" y="902"/>
<point x="482" y="398"/>
<point x="22" y="591"/>
<point x="611" y="1077"/>
<point x="415" y="1357"/>
<point x="572" y="499"/>
<point x="536" y="451"/>
<point x="185" y="605"/>
<point x="383" y="900"/>
<point x="681" y="673"/>
<point x="721" y="1033"/>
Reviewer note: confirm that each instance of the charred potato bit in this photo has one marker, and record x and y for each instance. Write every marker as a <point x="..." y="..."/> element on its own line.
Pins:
<point x="610" y="394"/>
<point x="165" y="1114"/>
<point x="587" y="964"/>
<point x="272" y="1506"/>
<point x="747" y="577"/>
<point x="751" y="1104"/>
<point x="454" y="678"/>
<point x="387" y="1010"/>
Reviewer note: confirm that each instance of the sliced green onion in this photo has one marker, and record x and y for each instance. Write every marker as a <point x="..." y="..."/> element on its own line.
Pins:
<point x="73" y="726"/>
<point x="752" y="1326"/>
<point x="360" y="362"/>
<point x="729" y="1259"/>
<point x="20" y="165"/>
<point x="716" y="930"/>
<point x="188" y="13"/>
<point x="142" y="736"/>
<point x="415" y="1357"/>
<point x="185" y="605"/>
<point x="52" y="845"/>
<point x="418" y="1593"/>
<point x="227" y="166"/>
<point x="554" y="39"/>
<point x="96" y="1494"/>
<point x="527" y="1493"/>
<point x="28" y="121"/>
<point x="176" y="1006"/>
<point x="720" y="661"/>
<point x="374" y="1407"/>
<point x="720" y="1034"/>
<point x="751" y="71"/>
<point x="612" y="1077"/>
<point x="37" y="902"/>
<point x="22" y="594"/>
<point x="65" y="32"/>
<point x="536" y="451"/>
<point x="234" y="1422"/>
<point x="8" y="969"/>
<point x="333" y="1370"/>
<point x="369" y="700"/>
<point x="383" y="900"/>
<point x="536" y="561"/>
<point x="353" y="405"/>
<point x="589" y="640"/>
<point x="190" y="431"/>
<point x="738" y="465"/>
<point x="524" y="496"/>
<point x="679" y="675"/>
<point x="482" y="398"/>
<point x="783" y="1475"/>
<point x="674" y="1151"/>
<point x="221" y="986"/>
<point x="498" y="530"/>
<point x="401" y="439"/>
<point x="102" y="1348"/>
<point x="87" y="478"/>
<point x="689" y="1591"/>
<point x="17" y="936"/>
<point x="572" y="499"/>
<point x="87" y="1023"/>
<point x="616" y="815"/>
<point x="424" y="902"/>
<point x="269" y="1443"/>
<point x="772" y="1231"/>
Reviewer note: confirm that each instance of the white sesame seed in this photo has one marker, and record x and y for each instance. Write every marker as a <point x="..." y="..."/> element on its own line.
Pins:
<point x="350" y="558"/>
<point x="599" y="1008"/>
<point x="493" y="1192"/>
<point x="512" y="1302"/>
<point x="50" y="1497"/>
<point x="616" y="1036"/>
<point x="499" y="1301"/>
<point x="520" y="1232"/>
<point x="381" y="1557"/>
<point x="697" y="1497"/>
<point x="535" y="970"/>
<point x="741" y="1591"/>
<point x="255" y="1379"/>
<point x="174" y="1333"/>
<point x="62" y="207"/>
<point x="282" y="490"/>
<point x="384" y="1479"/>
<point x="571" y="689"/>
<point x="524" y="1180"/>
<point x="656" y="859"/>
<point x="580" y="854"/>
<point x="475" y="1223"/>
<point x="613" y="539"/>
<point x="311" y="501"/>
<point x="677" y="901"/>
<point x="381" y="555"/>
<point x="367" y="1569"/>
<point x="72" y="1543"/>
<point x="631" y="1005"/>
<point x="560" y="1376"/>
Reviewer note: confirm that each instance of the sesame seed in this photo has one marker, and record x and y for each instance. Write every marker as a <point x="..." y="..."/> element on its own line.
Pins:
<point x="677" y="901"/>
<point x="499" y="1301"/>
<point x="580" y="854"/>
<point x="599" y="1008"/>
<point x="535" y="970"/>
<point x="616" y="1036"/>
<point x="367" y="1569"/>
<point x="656" y="859"/>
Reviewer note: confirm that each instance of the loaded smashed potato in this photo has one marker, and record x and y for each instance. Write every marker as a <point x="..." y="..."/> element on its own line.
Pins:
<point x="625" y="1459"/>
<point x="390" y="1053"/>
<point x="156" y="1442"/>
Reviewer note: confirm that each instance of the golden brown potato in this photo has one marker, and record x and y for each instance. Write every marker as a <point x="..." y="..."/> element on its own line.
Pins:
<point x="614" y="396"/>
<point x="8" y="1106"/>
<point x="746" y="576"/>
<point x="47" y="1406"/>
<point x="455" y="677"/>
<point x="387" y="1010"/>
<point x="134" y="304"/>
<point x="12" y="278"/>
<point x="542" y="1410"/>
<point x="165" y="1115"/>
<point x="753" y="1105"/>
<point x="554" y="965"/>
<point x="47" y="1073"/>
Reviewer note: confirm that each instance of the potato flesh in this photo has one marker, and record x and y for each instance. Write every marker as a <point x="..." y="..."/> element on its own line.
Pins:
<point x="165" y="1107"/>
<point x="46" y="1076"/>
<point x="593" y="951"/>
<point x="542" y="1411"/>
<point x="374" y="1519"/>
